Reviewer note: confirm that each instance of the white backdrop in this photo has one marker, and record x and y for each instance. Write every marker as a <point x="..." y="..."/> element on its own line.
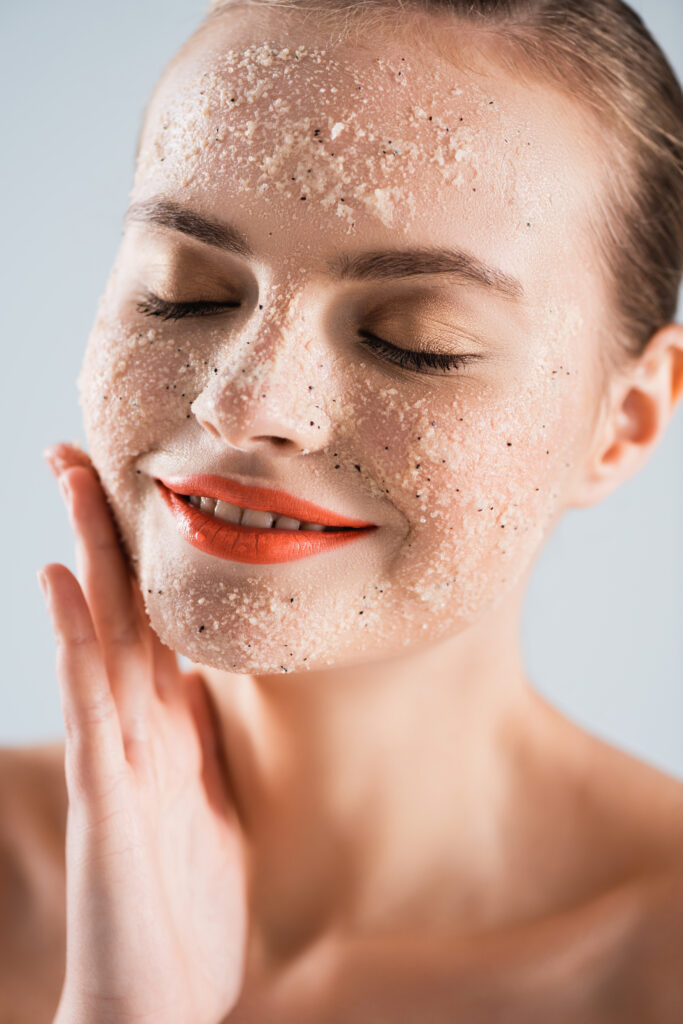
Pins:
<point x="603" y="623"/>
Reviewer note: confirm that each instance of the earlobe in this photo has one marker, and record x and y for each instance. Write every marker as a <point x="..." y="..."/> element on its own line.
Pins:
<point x="641" y="408"/>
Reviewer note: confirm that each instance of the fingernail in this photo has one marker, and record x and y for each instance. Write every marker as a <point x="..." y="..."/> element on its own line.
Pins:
<point x="55" y="458"/>
<point x="42" y="580"/>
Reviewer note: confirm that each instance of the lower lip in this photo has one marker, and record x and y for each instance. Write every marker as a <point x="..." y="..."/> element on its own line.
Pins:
<point x="253" y="544"/>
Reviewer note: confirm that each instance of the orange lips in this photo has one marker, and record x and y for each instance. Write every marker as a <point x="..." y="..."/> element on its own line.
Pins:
<point x="256" y="545"/>
<point x="265" y="499"/>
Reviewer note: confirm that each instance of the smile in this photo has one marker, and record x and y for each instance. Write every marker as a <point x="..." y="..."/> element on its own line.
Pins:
<point x="257" y="536"/>
<point x="254" y="517"/>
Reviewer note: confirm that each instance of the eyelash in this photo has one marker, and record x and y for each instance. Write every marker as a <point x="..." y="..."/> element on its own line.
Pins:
<point x="152" y="305"/>
<point x="405" y="358"/>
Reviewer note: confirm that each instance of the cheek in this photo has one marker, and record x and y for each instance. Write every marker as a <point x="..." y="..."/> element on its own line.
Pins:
<point x="480" y="473"/>
<point x="135" y="392"/>
<point x="136" y="387"/>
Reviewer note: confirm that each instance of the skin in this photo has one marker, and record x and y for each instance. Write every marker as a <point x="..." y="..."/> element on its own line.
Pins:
<point x="358" y="747"/>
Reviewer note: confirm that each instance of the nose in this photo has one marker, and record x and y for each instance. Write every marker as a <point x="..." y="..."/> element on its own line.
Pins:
<point x="272" y="405"/>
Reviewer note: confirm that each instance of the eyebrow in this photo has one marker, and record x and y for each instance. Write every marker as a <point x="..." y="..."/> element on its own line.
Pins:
<point x="376" y="265"/>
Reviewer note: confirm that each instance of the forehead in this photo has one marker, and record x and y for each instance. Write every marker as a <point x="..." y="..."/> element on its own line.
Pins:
<point x="263" y="121"/>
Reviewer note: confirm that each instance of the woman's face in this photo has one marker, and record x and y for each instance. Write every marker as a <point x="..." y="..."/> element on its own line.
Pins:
<point x="463" y="471"/>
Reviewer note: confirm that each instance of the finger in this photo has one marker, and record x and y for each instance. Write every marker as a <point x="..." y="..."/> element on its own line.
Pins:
<point x="165" y="670"/>
<point x="61" y="456"/>
<point x="95" y="759"/>
<point x="216" y="773"/>
<point x="167" y="674"/>
<point x="107" y="585"/>
<point x="202" y="712"/>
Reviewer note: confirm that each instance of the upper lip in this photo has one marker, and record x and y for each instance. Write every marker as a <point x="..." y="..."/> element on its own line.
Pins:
<point x="261" y="498"/>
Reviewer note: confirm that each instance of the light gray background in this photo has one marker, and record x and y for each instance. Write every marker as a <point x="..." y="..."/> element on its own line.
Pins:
<point x="603" y="625"/>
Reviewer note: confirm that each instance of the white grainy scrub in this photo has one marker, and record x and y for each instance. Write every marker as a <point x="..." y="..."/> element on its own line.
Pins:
<point x="312" y="152"/>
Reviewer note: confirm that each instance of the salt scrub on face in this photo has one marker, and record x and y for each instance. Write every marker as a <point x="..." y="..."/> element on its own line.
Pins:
<point x="347" y="157"/>
<point x="255" y="625"/>
<point x="301" y="146"/>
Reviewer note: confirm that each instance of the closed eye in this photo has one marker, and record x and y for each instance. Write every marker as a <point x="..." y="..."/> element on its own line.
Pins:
<point x="420" y="361"/>
<point x="152" y="305"/>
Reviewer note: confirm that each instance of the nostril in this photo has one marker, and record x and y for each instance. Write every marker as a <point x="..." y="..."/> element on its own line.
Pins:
<point x="209" y="427"/>
<point x="276" y="440"/>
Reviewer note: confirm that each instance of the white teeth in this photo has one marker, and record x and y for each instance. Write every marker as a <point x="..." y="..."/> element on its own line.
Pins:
<point x="249" y="516"/>
<point x="231" y="513"/>
<point x="285" y="523"/>
<point x="254" y="517"/>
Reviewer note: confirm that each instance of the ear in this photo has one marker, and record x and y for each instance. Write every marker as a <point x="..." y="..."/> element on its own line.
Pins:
<point x="637" y="414"/>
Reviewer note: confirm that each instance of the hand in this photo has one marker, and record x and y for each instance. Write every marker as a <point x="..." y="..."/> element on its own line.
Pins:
<point x="156" y="914"/>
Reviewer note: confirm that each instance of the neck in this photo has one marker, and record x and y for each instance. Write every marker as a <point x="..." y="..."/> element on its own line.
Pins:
<point x="353" y="782"/>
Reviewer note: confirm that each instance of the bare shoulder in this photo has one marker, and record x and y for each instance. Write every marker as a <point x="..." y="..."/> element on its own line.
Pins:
<point x="621" y="819"/>
<point x="641" y="804"/>
<point x="615" y="957"/>
<point x="628" y="812"/>
<point x="33" y="803"/>
<point x="33" y="772"/>
<point x="643" y="808"/>
<point x="33" y="807"/>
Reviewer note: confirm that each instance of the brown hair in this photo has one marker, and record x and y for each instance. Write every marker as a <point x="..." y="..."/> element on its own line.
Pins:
<point x="602" y="53"/>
